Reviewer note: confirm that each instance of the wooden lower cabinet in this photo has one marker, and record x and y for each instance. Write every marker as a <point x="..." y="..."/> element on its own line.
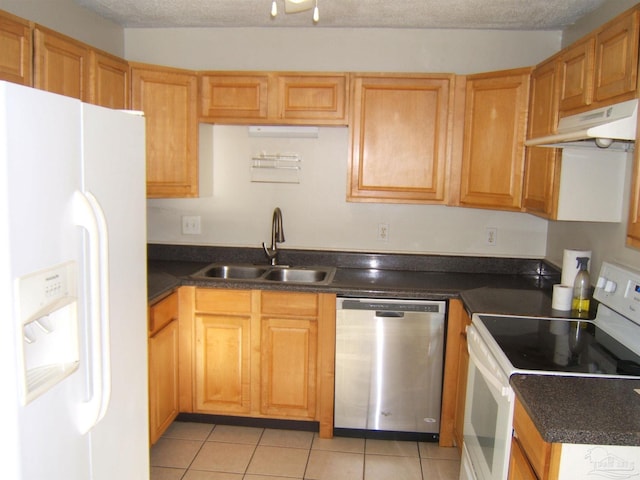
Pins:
<point x="163" y="366"/>
<point x="531" y="457"/>
<point x="519" y="466"/>
<point x="261" y="354"/>
<point x="455" y="376"/>
<point x="288" y="351"/>
<point x="222" y="363"/>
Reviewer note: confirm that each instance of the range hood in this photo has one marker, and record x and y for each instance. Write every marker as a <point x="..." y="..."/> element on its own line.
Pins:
<point x="615" y="122"/>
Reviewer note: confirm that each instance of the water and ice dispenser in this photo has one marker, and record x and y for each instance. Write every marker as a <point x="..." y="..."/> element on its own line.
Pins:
<point x="47" y="313"/>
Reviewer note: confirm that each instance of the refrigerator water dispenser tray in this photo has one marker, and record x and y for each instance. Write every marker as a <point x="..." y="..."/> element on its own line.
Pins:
<point x="47" y="317"/>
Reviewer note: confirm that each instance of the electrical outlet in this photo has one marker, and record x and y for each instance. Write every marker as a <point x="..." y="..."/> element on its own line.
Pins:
<point x="492" y="236"/>
<point x="191" y="225"/>
<point x="383" y="232"/>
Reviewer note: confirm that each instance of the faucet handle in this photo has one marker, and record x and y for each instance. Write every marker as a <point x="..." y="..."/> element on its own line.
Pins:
<point x="271" y="253"/>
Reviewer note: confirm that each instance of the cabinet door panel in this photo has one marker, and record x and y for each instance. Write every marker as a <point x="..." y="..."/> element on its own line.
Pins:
<point x="289" y="367"/>
<point x="617" y="58"/>
<point x="222" y="370"/>
<point x="110" y="81"/>
<point x="519" y="467"/>
<point x="492" y="170"/>
<point x="633" y="225"/>
<point x="61" y="64"/>
<point x="576" y="75"/>
<point x="543" y="100"/>
<point x="399" y="140"/>
<point x="15" y="49"/>
<point x="168" y="99"/>
<point x="542" y="172"/>
<point x="234" y="96"/>
<point x="307" y="97"/>
<point x="163" y="380"/>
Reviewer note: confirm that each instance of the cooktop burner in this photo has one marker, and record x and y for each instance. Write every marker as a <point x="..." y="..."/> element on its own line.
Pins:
<point x="561" y="346"/>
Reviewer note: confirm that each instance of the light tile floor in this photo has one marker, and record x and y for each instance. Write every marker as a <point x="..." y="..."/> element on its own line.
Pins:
<point x="197" y="451"/>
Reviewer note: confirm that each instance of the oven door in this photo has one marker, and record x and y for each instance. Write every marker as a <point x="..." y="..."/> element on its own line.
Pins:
<point x="488" y="416"/>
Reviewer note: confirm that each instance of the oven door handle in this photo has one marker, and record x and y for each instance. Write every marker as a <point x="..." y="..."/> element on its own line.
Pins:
<point x="491" y="377"/>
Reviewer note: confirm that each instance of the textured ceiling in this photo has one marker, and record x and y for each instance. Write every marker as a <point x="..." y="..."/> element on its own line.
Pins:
<point x="469" y="14"/>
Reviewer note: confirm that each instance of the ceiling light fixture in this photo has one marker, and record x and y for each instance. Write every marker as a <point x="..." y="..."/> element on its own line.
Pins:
<point x="295" y="6"/>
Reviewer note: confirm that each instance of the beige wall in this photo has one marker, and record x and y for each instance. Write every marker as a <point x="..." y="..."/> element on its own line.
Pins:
<point x="68" y="18"/>
<point x="315" y="211"/>
<point x="322" y="49"/>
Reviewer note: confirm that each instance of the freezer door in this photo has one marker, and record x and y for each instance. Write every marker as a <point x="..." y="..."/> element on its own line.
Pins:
<point x="40" y="164"/>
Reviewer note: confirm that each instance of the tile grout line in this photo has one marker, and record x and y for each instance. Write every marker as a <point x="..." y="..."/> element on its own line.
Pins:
<point x="255" y="448"/>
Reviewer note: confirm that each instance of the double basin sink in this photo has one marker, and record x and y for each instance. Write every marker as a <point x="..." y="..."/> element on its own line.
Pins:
<point x="267" y="273"/>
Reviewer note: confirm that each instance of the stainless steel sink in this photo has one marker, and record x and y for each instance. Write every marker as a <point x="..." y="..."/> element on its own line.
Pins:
<point x="296" y="275"/>
<point x="232" y="271"/>
<point x="267" y="273"/>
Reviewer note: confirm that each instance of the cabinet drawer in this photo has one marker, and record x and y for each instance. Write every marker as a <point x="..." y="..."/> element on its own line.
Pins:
<point x="285" y="303"/>
<point x="229" y="301"/>
<point x="536" y="449"/>
<point x="162" y="313"/>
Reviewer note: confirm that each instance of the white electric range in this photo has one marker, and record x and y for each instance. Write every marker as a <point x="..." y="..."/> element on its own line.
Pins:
<point x="501" y="345"/>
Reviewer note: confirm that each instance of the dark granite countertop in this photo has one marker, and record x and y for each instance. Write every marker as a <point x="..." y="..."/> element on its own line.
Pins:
<point x="379" y="275"/>
<point x="598" y="411"/>
<point x="565" y="409"/>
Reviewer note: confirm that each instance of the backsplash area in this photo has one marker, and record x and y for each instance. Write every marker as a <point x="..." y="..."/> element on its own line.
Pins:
<point x="315" y="211"/>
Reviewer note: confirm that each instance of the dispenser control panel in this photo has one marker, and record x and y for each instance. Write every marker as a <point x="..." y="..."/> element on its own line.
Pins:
<point x="47" y="316"/>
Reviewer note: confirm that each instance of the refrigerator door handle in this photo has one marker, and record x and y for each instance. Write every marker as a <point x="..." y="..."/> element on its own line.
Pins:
<point x="89" y="215"/>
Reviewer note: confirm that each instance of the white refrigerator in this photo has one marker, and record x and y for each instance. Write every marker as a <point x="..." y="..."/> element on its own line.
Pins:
<point x="73" y="329"/>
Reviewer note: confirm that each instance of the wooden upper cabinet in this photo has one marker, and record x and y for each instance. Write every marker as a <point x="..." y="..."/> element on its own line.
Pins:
<point x="399" y="138"/>
<point x="543" y="99"/>
<point x="576" y="75"/>
<point x="494" y="132"/>
<point x="616" y="63"/>
<point x="312" y="98"/>
<point x="168" y="98"/>
<point x="16" y="48"/>
<point x="232" y="96"/>
<point x="542" y="163"/>
<point x="633" y="225"/>
<point x="61" y="64"/>
<point x="272" y="97"/>
<point x="110" y="81"/>
<point x="541" y="181"/>
<point x="602" y="68"/>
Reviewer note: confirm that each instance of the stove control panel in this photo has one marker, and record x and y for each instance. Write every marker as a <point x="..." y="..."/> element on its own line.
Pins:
<point x="618" y="288"/>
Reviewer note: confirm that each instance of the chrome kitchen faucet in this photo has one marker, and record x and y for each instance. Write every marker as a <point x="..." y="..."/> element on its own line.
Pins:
<point x="277" y="236"/>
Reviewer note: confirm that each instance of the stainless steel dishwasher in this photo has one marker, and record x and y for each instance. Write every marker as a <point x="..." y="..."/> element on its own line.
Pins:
<point x="389" y="363"/>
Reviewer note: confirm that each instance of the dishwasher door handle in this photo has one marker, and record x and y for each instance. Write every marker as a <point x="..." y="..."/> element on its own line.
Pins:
<point x="386" y="314"/>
